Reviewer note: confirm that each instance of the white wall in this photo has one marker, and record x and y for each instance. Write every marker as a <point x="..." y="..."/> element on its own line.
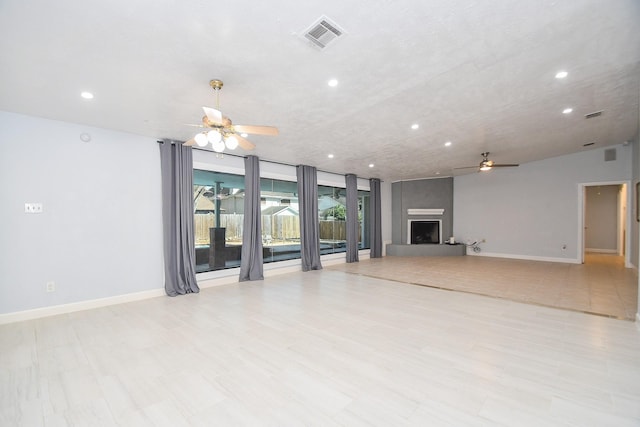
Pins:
<point x="100" y="234"/>
<point x="532" y="211"/>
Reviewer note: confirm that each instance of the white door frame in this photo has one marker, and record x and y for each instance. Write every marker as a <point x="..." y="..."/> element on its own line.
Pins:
<point x="581" y="218"/>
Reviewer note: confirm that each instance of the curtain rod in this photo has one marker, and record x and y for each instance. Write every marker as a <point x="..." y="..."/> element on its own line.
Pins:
<point x="263" y="160"/>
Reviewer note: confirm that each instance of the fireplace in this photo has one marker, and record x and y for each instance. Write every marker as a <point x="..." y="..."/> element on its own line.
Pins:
<point x="420" y="232"/>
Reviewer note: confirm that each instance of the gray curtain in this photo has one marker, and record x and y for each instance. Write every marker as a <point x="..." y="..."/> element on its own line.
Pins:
<point x="176" y="167"/>
<point x="309" y="224"/>
<point x="352" y="217"/>
<point x="251" y="255"/>
<point x="376" y="220"/>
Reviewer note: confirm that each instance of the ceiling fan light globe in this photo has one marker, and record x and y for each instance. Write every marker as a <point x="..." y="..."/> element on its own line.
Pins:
<point x="231" y="142"/>
<point x="485" y="165"/>
<point x="218" y="146"/>
<point x="201" y="140"/>
<point x="214" y="136"/>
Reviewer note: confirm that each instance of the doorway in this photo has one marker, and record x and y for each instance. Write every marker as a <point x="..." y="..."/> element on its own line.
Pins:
<point x="605" y="221"/>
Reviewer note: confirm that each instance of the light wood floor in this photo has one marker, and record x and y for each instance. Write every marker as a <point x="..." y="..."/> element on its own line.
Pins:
<point x="602" y="285"/>
<point x="321" y="348"/>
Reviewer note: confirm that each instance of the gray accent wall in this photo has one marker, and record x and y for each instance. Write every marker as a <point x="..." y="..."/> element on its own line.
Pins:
<point x="421" y="194"/>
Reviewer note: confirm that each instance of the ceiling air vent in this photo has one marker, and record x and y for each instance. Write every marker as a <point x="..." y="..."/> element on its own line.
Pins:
<point x="323" y="32"/>
<point x="594" y="114"/>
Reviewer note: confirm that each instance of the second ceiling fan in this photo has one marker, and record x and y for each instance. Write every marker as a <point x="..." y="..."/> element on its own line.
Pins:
<point x="487" y="165"/>
<point x="223" y="133"/>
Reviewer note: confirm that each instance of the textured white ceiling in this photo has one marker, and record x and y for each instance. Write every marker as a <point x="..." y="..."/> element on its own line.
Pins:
<point x="477" y="73"/>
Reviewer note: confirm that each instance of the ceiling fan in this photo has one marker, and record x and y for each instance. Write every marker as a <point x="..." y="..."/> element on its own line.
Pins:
<point x="223" y="133"/>
<point x="486" y="164"/>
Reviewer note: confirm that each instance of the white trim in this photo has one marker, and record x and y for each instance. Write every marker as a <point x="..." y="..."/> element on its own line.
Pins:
<point x="228" y="276"/>
<point x="601" y="251"/>
<point x="525" y="257"/>
<point x="205" y="280"/>
<point x="581" y="213"/>
<point x="219" y="281"/>
<point x="638" y="320"/>
<point x="426" y="177"/>
<point x="217" y="274"/>
<point x="384" y="246"/>
<point x="425" y="211"/>
<point x="54" y="310"/>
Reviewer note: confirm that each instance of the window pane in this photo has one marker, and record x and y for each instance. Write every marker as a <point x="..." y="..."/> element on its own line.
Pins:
<point x="218" y="216"/>
<point x="332" y="215"/>
<point x="364" y="237"/>
<point x="280" y="220"/>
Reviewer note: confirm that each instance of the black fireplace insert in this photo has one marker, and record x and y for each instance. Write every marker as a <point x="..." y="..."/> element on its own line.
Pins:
<point x="425" y="232"/>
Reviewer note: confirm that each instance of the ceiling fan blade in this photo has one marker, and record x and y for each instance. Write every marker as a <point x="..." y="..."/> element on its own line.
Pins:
<point x="504" y="166"/>
<point x="190" y="142"/>
<point x="467" y="167"/>
<point x="245" y="143"/>
<point x="213" y="115"/>
<point x="256" y="130"/>
<point x="194" y="125"/>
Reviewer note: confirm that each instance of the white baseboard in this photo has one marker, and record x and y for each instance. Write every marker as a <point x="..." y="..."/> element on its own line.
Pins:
<point x="205" y="280"/>
<point x="601" y="251"/>
<point x="218" y="281"/>
<point x="524" y="257"/>
<point x="55" y="310"/>
<point x="384" y="246"/>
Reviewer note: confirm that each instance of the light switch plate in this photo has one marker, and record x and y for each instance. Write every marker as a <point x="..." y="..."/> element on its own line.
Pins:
<point x="33" y="208"/>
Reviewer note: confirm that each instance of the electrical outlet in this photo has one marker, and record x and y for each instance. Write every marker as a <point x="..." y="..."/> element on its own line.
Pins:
<point x="51" y="286"/>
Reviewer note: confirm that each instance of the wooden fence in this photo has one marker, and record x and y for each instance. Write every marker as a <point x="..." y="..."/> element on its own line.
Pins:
<point x="280" y="228"/>
<point x="232" y="222"/>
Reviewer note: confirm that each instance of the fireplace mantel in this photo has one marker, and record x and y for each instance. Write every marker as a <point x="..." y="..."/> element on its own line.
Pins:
<point x="425" y="211"/>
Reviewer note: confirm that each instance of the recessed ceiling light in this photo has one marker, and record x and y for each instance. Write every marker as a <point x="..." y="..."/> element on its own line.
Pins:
<point x="371" y="165"/>
<point x="447" y="144"/>
<point x="567" y="110"/>
<point x="333" y="83"/>
<point x="87" y="95"/>
<point x="561" y="74"/>
<point x="244" y="135"/>
<point x="438" y="173"/>
<point x="415" y="126"/>
<point x="330" y="156"/>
